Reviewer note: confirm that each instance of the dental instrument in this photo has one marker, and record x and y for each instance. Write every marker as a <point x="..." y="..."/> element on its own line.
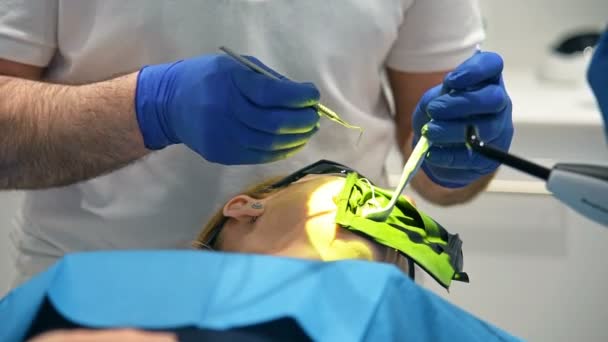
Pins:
<point x="321" y="109"/>
<point x="409" y="170"/>
<point x="582" y="187"/>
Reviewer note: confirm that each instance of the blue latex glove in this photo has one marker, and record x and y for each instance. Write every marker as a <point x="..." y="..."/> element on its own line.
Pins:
<point x="597" y="75"/>
<point x="224" y="111"/>
<point x="474" y="93"/>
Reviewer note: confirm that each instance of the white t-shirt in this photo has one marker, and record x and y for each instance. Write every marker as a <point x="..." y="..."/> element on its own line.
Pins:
<point x="163" y="200"/>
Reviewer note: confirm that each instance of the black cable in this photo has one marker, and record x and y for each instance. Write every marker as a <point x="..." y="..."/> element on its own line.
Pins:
<point x="493" y="153"/>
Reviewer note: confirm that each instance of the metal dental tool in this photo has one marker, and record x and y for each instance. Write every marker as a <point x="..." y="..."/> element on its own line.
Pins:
<point x="409" y="170"/>
<point x="321" y="109"/>
<point x="583" y="188"/>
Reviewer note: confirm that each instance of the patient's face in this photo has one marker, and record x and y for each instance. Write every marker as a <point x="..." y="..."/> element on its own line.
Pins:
<point x="298" y="221"/>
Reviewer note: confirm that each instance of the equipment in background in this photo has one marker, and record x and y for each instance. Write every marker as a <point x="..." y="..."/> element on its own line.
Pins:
<point x="566" y="62"/>
<point x="582" y="187"/>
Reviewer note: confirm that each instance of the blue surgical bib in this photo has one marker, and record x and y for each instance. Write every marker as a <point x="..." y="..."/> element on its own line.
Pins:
<point x="165" y="290"/>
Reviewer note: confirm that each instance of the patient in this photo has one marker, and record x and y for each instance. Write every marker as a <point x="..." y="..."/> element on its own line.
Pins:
<point x="293" y="216"/>
<point x="316" y="213"/>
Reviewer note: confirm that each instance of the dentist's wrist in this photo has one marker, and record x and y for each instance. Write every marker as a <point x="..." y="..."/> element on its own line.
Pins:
<point x="152" y="100"/>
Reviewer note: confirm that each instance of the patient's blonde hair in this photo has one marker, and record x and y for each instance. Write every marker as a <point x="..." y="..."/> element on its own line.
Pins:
<point x="260" y="191"/>
<point x="257" y="191"/>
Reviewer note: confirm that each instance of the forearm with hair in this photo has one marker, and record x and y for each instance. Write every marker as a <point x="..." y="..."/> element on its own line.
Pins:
<point x="55" y="135"/>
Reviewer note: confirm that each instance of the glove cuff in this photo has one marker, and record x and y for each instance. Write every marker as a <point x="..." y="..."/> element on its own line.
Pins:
<point x="149" y="99"/>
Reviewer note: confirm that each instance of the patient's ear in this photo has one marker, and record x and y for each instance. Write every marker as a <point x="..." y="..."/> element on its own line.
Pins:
<point x="244" y="208"/>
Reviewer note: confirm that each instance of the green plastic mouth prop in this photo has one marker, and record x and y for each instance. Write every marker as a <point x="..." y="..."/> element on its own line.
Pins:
<point x="407" y="230"/>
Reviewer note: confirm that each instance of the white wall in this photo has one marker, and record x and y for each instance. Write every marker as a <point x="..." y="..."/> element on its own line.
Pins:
<point x="522" y="30"/>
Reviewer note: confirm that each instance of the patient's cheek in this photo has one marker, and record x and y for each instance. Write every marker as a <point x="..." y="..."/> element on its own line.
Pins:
<point x="321" y="232"/>
<point x="350" y="249"/>
<point x="323" y="197"/>
<point x="332" y="242"/>
<point x="358" y="245"/>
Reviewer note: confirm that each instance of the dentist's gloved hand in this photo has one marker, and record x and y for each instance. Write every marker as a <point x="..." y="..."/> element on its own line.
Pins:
<point x="474" y="93"/>
<point x="224" y="111"/>
<point x="597" y="75"/>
